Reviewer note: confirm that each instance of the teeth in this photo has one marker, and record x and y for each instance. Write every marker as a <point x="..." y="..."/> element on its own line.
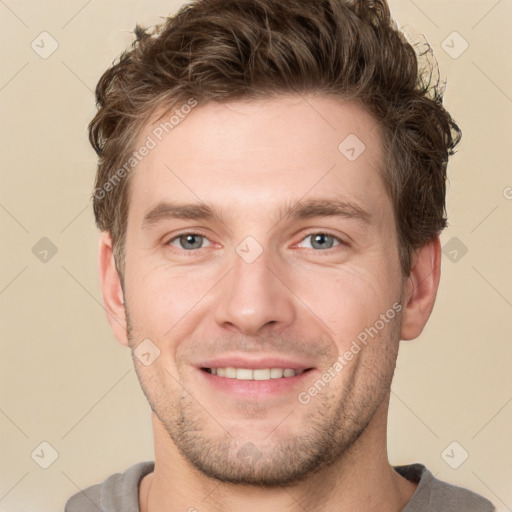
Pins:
<point x="254" y="374"/>
<point x="261" y="374"/>
<point x="230" y="373"/>
<point x="276" y="373"/>
<point x="243" y="374"/>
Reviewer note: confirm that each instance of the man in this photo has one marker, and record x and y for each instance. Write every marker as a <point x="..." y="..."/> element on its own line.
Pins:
<point x="270" y="191"/>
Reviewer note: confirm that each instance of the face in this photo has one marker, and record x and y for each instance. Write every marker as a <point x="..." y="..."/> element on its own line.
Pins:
<point x="259" y="252"/>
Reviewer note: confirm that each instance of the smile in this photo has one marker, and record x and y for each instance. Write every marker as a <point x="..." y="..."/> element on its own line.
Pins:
<point x="254" y="374"/>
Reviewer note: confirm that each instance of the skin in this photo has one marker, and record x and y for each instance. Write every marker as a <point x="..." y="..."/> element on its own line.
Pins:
<point x="298" y="299"/>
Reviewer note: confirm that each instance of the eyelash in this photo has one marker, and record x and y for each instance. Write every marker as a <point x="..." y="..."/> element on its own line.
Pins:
<point x="310" y="234"/>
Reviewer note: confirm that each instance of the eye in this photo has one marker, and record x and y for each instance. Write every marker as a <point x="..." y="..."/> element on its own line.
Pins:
<point x="193" y="241"/>
<point x="188" y="241"/>
<point x="322" y="241"/>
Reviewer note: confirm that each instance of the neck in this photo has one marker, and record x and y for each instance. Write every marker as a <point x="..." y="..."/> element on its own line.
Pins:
<point x="361" y="480"/>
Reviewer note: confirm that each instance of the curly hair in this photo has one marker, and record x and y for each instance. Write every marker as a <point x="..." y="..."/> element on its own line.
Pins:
<point x="225" y="50"/>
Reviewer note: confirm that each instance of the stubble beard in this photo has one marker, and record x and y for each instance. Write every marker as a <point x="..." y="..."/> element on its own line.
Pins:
<point x="332" y="423"/>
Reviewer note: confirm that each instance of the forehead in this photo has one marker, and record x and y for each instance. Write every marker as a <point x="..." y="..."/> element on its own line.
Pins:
<point x="264" y="152"/>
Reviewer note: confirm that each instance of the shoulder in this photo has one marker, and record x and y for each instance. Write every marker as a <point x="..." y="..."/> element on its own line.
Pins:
<point x="435" y="495"/>
<point x="83" y="501"/>
<point x="119" y="492"/>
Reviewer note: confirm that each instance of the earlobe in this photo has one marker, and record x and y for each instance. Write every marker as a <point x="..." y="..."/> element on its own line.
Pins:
<point x="112" y="291"/>
<point x="420" y="289"/>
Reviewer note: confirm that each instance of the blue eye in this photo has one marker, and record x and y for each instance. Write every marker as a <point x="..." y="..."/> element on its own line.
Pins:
<point x="188" y="241"/>
<point x="193" y="241"/>
<point x="323" y="241"/>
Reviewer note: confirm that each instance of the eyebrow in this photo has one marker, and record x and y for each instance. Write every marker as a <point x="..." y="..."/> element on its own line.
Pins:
<point x="165" y="211"/>
<point x="307" y="209"/>
<point x="312" y="208"/>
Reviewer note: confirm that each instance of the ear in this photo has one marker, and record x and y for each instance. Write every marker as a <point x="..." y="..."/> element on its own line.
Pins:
<point x="420" y="289"/>
<point x="111" y="289"/>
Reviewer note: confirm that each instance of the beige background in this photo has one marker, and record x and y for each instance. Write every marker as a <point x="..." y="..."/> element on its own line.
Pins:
<point x="65" y="380"/>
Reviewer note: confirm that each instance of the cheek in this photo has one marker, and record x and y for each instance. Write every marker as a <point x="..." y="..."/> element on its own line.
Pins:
<point x="342" y="299"/>
<point x="347" y="299"/>
<point x="164" y="296"/>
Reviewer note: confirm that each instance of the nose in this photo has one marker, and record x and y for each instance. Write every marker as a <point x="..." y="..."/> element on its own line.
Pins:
<point x="254" y="296"/>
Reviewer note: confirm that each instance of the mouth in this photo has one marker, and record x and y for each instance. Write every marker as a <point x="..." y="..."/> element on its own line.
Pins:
<point x="260" y="374"/>
<point x="266" y="376"/>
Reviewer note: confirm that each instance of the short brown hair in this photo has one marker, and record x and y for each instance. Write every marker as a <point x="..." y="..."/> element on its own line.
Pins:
<point x="225" y="50"/>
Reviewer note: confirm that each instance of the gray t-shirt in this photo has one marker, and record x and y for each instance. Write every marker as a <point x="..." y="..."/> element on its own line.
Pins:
<point x="120" y="493"/>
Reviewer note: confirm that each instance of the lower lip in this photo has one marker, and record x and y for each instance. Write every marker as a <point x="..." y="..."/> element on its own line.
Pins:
<point x="257" y="388"/>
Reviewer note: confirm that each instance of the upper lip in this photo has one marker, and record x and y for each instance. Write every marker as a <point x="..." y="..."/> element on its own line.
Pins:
<point x="256" y="363"/>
